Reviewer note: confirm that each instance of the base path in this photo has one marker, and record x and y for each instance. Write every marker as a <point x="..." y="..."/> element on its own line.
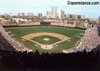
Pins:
<point x="43" y="46"/>
<point x="33" y="35"/>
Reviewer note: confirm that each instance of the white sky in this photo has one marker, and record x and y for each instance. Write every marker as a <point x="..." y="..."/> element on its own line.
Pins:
<point x="41" y="6"/>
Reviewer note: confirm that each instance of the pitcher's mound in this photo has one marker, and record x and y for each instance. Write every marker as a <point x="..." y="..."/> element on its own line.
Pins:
<point x="46" y="39"/>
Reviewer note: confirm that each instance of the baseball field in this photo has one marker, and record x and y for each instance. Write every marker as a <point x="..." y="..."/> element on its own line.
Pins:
<point x="45" y="39"/>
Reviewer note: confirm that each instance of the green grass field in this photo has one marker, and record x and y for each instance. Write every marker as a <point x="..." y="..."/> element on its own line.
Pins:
<point x="74" y="34"/>
<point x="40" y="39"/>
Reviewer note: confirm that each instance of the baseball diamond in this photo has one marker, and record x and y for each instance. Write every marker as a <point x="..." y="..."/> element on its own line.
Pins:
<point x="51" y="39"/>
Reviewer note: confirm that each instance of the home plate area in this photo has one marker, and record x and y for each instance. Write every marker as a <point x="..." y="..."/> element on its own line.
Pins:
<point x="46" y="46"/>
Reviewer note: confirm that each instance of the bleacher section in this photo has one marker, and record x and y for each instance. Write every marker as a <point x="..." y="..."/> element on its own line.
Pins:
<point x="7" y="43"/>
<point x="90" y="40"/>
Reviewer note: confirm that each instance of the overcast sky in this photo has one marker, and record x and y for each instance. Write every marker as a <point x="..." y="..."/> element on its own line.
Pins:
<point x="41" y="6"/>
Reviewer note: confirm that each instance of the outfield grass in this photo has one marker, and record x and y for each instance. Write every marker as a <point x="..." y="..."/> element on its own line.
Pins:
<point x="71" y="33"/>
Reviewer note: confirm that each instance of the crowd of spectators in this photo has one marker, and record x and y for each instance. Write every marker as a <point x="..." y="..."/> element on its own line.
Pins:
<point x="8" y="43"/>
<point x="90" y="40"/>
<point x="63" y="25"/>
<point x="79" y="60"/>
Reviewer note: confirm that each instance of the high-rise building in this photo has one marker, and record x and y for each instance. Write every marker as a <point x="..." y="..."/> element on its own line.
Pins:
<point x="49" y="14"/>
<point x="61" y="14"/>
<point x="75" y="16"/>
<point x="23" y="14"/>
<point x="82" y="17"/>
<point x="99" y="17"/>
<point x="40" y="15"/>
<point x="70" y="16"/>
<point x="54" y="12"/>
<point x="19" y="14"/>
<point x="30" y="14"/>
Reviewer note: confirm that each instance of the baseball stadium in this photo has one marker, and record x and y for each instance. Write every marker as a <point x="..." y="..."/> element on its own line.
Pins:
<point x="46" y="38"/>
<point x="49" y="37"/>
<point x="46" y="45"/>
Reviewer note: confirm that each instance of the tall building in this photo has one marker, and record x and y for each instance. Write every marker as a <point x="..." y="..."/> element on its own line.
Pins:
<point x="30" y="14"/>
<point x="82" y="17"/>
<point x="99" y="17"/>
<point x="75" y="16"/>
<point x="70" y="16"/>
<point x="19" y="14"/>
<point x="49" y="14"/>
<point x="61" y="14"/>
<point x="54" y="12"/>
<point x="40" y="15"/>
<point x="23" y="14"/>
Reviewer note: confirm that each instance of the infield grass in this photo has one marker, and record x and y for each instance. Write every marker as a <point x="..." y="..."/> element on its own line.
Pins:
<point x="51" y="40"/>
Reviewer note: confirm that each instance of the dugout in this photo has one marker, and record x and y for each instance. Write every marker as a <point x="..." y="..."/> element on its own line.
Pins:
<point x="45" y="23"/>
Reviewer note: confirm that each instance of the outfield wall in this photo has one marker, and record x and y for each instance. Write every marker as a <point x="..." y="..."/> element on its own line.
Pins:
<point x="73" y="26"/>
<point x="38" y="24"/>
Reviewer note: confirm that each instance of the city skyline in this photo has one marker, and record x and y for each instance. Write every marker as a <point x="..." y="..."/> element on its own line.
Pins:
<point x="38" y="6"/>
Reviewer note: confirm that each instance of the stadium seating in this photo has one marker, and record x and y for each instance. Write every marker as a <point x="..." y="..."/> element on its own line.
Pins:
<point x="7" y="43"/>
<point x="90" y="40"/>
